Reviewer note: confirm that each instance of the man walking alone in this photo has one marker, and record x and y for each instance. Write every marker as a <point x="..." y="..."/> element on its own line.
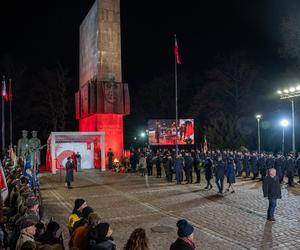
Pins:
<point x="69" y="172"/>
<point x="272" y="191"/>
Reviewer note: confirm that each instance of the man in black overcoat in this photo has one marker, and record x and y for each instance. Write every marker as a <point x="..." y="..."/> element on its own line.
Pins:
<point x="69" y="172"/>
<point x="272" y="191"/>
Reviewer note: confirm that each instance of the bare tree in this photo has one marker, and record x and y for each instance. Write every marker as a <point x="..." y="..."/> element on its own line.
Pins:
<point x="229" y="88"/>
<point x="226" y="97"/>
<point x="53" y="100"/>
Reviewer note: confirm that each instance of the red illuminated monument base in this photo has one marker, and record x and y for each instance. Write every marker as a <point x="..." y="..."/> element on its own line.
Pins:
<point x="111" y="125"/>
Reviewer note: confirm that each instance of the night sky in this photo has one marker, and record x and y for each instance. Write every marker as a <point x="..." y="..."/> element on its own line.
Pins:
<point x="40" y="33"/>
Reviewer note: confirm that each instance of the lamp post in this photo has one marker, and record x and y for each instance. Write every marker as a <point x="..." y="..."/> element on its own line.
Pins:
<point x="290" y="94"/>
<point x="284" y="123"/>
<point x="258" y="117"/>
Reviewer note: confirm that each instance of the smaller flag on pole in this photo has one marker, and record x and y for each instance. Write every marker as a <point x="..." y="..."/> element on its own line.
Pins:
<point x="3" y="90"/>
<point x="177" y="52"/>
<point x="205" y="146"/>
<point x="9" y="91"/>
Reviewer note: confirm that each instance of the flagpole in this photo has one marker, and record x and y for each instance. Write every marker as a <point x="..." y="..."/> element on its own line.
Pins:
<point x="176" y="100"/>
<point x="10" y="114"/>
<point x="3" y="122"/>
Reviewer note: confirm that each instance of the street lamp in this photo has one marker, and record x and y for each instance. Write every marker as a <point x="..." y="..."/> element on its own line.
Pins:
<point x="290" y="94"/>
<point x="284" y="123"/>
<point x="258" y="117"/>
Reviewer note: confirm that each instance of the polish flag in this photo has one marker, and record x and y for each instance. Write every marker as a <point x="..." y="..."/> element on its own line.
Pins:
<point x="3" y="91"/>
<point x="177" y="52"/>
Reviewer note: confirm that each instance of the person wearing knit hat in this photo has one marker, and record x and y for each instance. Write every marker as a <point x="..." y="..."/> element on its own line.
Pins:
<point x="185" y="236"/>
<point x="79" y="205"/>
<point x="102" y="238"/>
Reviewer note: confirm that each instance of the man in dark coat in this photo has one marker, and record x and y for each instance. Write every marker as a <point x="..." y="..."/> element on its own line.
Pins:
<point x="279" y="161"/>
<point x="261" y="162"/>
<point x="197" y="167"/>
<point x="238" y="163"/>
<point x="189" y="168"/>
<point x="254" y="166"/>
<point x="179" y="163"/>
<point x="247" y="165"/>
<point x="272" y="191"/>
<point x="220" y="170"/>
<point x="69" y="172"/>
<point x="134" y="159"/>
<point x="270" y="161"/>
<point x="110" y="156"/>
<point x="170" y="167"/>
<point x="149" y="164"/>
<point x="290" y="170"/>
<point x="208" y="172"/>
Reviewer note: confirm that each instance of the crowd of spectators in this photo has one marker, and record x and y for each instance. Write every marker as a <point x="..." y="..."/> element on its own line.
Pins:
<point x="24" y="227"/>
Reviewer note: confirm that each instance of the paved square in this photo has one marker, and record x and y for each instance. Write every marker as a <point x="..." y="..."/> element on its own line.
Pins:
<point x="128" y="201"/>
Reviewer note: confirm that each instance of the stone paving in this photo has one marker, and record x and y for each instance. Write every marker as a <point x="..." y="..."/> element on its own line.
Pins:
<point x="128" y="201"/>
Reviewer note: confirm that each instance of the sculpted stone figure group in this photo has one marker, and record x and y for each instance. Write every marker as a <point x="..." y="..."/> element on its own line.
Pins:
<point x="30" y="146"/>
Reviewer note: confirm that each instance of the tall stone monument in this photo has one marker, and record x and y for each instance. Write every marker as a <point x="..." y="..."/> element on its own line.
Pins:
<point x="102" y="99"/>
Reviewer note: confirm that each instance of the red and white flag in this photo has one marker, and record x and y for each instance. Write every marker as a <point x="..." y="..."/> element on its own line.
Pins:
<point x="176" y="52"/>
<point x="205" y="146"/>
<point x="3" y="184"/>
<point x="9" y="91"/>
<point x="3" y="91"/>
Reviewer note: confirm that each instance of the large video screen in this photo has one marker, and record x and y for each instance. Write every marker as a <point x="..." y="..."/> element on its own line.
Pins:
<point x="163" y="132"/>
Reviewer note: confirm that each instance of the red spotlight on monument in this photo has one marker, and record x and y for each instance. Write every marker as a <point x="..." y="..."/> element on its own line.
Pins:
<point x="102" y="99"/>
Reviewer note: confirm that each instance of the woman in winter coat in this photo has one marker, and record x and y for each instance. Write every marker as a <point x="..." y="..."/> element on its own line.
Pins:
<point x="137" y="241"/>
<point x="101" y="238"/>
<point x="230" y="174"/>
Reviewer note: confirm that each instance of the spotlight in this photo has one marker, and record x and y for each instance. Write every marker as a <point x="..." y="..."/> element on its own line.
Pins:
<point x="284" y="123"/>
<point x="292" y="89"/>
<point x="258" y="116"/>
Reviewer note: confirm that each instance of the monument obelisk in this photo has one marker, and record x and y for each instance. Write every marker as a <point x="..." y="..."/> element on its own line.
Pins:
<point x="102" y="99"/>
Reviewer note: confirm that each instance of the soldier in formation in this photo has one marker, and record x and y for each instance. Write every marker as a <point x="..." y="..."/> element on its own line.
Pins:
<point x="220" y="164"/>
